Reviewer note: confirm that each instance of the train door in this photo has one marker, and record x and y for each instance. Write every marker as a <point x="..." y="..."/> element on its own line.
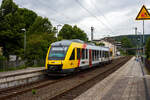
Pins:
<point x="90" y="57"/>
<point x="76" y="61"/>
<point x="72" y="59"/>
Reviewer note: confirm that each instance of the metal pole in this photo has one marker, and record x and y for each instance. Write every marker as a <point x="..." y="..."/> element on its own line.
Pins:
<point x="92" y="29"/>
<point x="143" y="45"/>
<point x="25" y="43"/>
<point x="3" y="12"/>
<point x="136" y="39"/>
<point x="57" y="32"/>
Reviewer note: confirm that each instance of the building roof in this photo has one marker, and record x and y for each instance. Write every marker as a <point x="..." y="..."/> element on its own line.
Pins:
<point x="107" y="39"/>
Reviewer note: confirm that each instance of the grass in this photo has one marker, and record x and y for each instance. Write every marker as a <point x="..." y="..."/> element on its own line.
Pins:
<point x="13" y="68"/>
<point x="33" y="91"/>
<point x="17" y="68"/>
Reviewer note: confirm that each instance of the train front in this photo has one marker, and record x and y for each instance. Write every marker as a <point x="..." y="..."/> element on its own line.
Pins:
<point x="56" y="58"/>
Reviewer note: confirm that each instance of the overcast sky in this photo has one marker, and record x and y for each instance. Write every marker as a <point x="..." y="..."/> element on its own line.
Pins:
<point x="108" y="17"/>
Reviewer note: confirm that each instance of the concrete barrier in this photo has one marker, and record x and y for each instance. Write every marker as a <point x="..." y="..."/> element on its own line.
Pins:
<point x="21" y="78"/>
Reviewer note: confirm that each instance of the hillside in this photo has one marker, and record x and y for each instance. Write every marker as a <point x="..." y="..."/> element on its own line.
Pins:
<point x="135" y="39"/>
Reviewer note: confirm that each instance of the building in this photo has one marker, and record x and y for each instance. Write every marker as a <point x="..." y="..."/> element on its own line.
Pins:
<point x="108" y="42"/>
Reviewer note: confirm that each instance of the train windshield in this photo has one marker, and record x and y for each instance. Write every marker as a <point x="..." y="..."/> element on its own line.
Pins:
<point x="57" y="53"/>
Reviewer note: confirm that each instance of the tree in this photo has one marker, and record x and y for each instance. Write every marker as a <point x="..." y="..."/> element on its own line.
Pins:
<point x="100" y="44"/>
<point x="69" y="32"/>
<point x="12" y="21"/>
<point x="28" y="16"/>
<point x="40" y="36"/>
<point x="40" y="25"/>
<point x="8" y="6"/>
<point x="126" y="43"/>
<point x="147" y="52"/>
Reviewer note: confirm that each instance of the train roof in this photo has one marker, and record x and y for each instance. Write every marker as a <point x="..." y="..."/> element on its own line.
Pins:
<point x="89" y="46"/>
<point x="66" y="42"/>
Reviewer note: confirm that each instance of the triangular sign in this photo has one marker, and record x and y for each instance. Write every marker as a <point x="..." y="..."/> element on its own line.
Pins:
<point x="143" y="14"/>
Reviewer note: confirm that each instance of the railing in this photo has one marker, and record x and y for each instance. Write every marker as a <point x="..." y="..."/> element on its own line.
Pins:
<point x="147" y="64"/>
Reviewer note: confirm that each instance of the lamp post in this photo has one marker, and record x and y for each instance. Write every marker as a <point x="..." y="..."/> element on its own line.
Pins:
<point x="24" y="40"/>
<point x="139" y="42"/>
<point x="57" y="30"/>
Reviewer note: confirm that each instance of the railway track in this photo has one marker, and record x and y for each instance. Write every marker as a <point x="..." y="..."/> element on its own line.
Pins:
<point x="76" y="90"/>
<point x="50" y="86"/>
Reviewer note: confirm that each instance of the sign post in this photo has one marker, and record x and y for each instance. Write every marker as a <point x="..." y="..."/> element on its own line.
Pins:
<point x="143" y="15"/>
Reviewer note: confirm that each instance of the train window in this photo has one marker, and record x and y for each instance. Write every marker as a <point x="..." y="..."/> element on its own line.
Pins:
<point x="86" y="53"/>
<point x="105" y="54"/>
<point x="78" y="53"/>
<point x="102" y="53"/>
<point x="93" y="55"/>
<point x="98" y="54"/>
<point x="72" y="57"/>
<point x="83" y="53"/>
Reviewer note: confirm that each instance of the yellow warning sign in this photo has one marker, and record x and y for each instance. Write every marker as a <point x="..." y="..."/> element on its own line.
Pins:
<point x="143" y="14"/>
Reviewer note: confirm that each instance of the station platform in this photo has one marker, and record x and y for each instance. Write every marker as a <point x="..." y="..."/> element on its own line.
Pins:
<point x="21" y="71"/>
<point x="127" y="83"/>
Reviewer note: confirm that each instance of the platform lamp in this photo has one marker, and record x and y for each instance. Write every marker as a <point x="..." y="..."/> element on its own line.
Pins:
<point x="58" y="31"/>
<point x="24" y="40"/>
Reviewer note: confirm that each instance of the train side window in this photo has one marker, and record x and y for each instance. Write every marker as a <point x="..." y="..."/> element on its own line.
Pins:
<point x="86" y="53"/>
<point x="83" y="53"/>
<point x="78" y="53"/>
<point x="93" y="55"/>
<point x="72" y="57"/>
<point x="102" y="53"/>
<point x="98" y="54"/>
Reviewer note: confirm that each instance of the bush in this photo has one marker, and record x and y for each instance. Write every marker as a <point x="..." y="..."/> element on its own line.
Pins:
<point x="147" y="52"/>
<point x="2" y="58"/>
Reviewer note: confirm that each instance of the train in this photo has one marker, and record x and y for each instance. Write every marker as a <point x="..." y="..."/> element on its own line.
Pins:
<point x="69" y="56"/>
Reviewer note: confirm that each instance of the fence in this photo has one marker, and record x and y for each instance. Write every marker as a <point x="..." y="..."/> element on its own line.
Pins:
<point x="147" y="64"/>
<point x="13" y="65"/>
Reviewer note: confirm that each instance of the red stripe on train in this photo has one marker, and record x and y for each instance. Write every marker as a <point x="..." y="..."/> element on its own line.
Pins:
<point x="84" y="46"/>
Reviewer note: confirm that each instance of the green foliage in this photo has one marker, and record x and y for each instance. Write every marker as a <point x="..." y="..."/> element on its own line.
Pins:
<point x="69" y="32"/>
<point x="126" y="43"/>
<point x="28" y="16"/>
<point x="147" y="48"/>
<point x="13" y="20"/>
<point x="40" y="25"/>
<point x="100" y="44"/>
<point x="34" y="91"/>
<point x="39" y="32"/>
<point x="9" y="7"/>
<point x="13" y="68"/>
<point x="2" y="58"/>
<point x="40" y="36"/>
